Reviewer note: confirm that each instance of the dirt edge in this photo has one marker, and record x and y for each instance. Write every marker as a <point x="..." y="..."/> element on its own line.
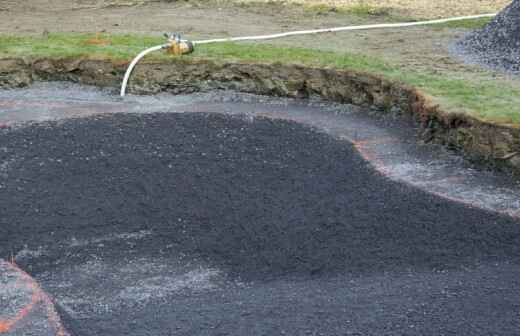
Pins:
<point x="496" y="146"/>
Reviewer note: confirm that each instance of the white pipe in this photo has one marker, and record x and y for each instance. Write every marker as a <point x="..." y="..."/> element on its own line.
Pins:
<point x="348" y="28"/>
<point x="133" y="64"/>
<point x="301" y="32"/>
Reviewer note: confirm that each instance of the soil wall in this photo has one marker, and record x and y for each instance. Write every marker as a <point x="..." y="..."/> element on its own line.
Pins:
<point x="489" y="144"/>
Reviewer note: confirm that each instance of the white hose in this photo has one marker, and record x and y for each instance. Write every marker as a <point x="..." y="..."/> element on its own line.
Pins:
<point x="133" y="64"/>
<point x="338" y="29"/>
<point x="303" y="32"/>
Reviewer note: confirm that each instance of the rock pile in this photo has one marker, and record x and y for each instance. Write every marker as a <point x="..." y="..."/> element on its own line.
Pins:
<point x="497" y="45"/>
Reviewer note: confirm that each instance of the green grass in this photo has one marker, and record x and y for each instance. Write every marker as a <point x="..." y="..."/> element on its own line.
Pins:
<point x="484" y="97"/>
<point x="488" y="99"/>
<point x="288" y="55"/>
<point x="73" y="45"/>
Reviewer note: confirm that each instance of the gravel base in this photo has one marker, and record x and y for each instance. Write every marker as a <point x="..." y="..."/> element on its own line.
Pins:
<point x="292" y="215"/>
<point x="258" y="198"/>
<point x="497" y="45"/>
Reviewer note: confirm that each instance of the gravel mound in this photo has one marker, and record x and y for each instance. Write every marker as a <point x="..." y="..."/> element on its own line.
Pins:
<point x="497" y="45"/>
<point x="256" y="198"/>
<point x="230" y="225"/>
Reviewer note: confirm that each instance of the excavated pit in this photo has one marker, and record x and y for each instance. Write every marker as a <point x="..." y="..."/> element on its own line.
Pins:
<point x="237" y="214"/>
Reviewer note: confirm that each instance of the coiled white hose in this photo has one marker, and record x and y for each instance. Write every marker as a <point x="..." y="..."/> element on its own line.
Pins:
<point x="302" y="32"/>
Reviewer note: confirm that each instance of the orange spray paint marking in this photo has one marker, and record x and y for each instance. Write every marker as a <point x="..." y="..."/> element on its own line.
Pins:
<point x="38" y="296"/>
<point x="362" y="146"/>
<point x="376" y="141"/>
<point x="6" y="325"/>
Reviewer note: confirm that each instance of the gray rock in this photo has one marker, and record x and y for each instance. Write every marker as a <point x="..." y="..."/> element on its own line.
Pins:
<point x="497" y="45"/>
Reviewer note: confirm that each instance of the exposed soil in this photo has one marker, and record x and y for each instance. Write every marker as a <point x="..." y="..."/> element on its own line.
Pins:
<point x="416" y="8"/>
<point x="410" y="8"/>
<point x="263" y="207"/>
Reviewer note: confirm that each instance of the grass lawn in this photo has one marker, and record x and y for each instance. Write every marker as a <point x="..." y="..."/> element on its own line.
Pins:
<point x="488" y="98"/>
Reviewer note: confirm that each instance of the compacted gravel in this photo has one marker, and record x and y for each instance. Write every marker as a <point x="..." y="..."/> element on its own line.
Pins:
<point x="293" y="231"/>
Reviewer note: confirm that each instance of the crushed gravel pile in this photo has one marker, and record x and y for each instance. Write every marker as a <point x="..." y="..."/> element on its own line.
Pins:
<point x="497" y="45"/>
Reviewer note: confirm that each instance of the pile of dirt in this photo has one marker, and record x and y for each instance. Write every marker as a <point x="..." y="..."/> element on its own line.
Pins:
<point x="497" y="45"/>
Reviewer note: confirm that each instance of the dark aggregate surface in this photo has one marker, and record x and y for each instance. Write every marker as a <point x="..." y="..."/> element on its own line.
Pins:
<point x="497" y="45"/>
<point x="268" y="227"/>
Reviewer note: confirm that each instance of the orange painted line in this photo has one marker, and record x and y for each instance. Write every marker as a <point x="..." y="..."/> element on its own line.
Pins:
<point x="375" y="141"/>
<point x="7" y="325"/>
<point x="38" y="296"/>
<point x="370" y="156"/>
<point x="379" y="165"/>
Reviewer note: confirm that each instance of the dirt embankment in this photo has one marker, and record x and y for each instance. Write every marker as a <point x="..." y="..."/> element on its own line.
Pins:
<point x="494" y="145"/>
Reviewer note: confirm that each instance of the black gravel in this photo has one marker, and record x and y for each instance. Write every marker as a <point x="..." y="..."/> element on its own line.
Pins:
<point x="261" y="199"/>
<point x="497" y="45"/>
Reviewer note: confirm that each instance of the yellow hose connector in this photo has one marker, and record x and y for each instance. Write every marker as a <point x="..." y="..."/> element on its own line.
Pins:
<point x="177" y="46"/>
